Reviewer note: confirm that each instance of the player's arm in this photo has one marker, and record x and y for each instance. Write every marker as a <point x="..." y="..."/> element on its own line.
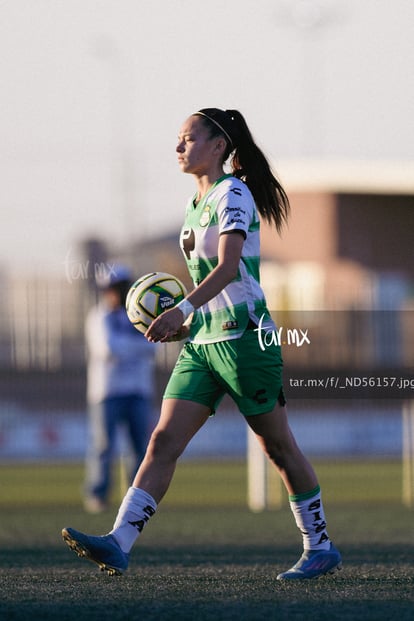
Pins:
<point x="230" y="245"/>
<point x="229" y="253"/>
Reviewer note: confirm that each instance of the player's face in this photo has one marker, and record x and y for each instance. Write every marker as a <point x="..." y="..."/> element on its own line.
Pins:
<point x="196" y="151"/>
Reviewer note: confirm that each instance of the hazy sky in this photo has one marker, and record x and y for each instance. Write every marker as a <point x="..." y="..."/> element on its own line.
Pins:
<point x="93" y="93"/>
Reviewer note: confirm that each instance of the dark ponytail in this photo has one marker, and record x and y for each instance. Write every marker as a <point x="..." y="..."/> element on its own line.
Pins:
<point x="249" y="164"/>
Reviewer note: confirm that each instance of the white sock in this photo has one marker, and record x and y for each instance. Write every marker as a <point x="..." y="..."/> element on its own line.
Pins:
<point x="310" y="519"/>
<point x="136" y="509"/>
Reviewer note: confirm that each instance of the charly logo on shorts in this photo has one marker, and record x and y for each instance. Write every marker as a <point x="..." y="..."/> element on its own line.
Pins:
<point x="205" y="216"/>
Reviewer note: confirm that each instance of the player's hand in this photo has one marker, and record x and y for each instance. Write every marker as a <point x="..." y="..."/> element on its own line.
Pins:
<point x="167" y="327"/>
<point x="182" y="334"/>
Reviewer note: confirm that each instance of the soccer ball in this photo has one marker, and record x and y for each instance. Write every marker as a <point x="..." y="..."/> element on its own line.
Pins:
<point x="150" y="296"/>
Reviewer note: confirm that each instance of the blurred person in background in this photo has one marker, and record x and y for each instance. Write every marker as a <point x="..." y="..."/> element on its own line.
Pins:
<point x="120" y="387"/>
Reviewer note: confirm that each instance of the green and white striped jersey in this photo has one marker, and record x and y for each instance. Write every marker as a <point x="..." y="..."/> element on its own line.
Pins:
<point x="228" y="206"/>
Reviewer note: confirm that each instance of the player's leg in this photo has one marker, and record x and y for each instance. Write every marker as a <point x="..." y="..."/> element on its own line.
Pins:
<point x="277" y="440"/>
<point x="191" y="395"/>
<point x="274" y="434"/>
<point x="260" y="397"/>
<point x="179" y="421"/>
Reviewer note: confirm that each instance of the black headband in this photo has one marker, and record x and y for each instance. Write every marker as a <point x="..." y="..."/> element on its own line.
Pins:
<point x="222" y="120"/>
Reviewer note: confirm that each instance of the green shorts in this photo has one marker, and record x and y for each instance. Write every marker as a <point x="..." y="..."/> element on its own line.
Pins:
<point x="238" y="367"/>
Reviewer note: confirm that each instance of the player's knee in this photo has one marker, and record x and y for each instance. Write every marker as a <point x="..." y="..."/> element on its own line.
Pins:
<point x="275" y="453"/>
<point x="164" y="446"/>
<point x="279" y="452"/>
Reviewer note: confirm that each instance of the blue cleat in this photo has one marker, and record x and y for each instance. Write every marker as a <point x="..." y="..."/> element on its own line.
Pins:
<point x="314" y="563"/>
<point x="104" y="551"/>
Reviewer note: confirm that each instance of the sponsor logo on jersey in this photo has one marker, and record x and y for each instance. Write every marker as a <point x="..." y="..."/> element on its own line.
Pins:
<point x="230" y="325"/>
<point x="187" y="242"/>
<point x="205" y="216"/>
<point x="236" y="214"/>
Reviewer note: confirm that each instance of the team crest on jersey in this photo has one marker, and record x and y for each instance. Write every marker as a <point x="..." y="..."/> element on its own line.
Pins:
<point x="205" y="216"/>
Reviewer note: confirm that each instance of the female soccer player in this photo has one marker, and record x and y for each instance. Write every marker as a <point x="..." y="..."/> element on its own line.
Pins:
<point x="221" y="318"/>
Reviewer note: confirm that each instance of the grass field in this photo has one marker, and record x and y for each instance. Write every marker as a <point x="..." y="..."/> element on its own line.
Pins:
<point x="205" y="556"/>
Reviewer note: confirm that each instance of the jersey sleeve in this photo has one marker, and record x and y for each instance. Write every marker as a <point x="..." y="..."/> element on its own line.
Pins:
<point x="235" y="210"/>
